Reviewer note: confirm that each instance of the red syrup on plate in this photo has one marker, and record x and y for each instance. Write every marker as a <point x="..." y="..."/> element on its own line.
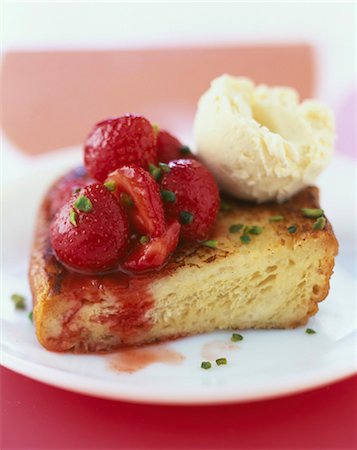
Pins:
<point x="133" y="359"/>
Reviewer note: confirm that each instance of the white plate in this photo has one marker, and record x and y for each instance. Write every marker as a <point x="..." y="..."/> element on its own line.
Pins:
<point x="265" y="364"/>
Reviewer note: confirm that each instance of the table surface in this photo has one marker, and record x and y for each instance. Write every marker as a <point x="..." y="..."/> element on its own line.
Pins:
<point x="37" y="416"/>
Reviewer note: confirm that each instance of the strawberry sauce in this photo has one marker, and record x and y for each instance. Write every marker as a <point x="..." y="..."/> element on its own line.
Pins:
<point x="131" y="360"/>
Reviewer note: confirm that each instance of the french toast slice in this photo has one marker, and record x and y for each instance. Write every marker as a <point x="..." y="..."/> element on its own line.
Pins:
<point x="274" y="281"/>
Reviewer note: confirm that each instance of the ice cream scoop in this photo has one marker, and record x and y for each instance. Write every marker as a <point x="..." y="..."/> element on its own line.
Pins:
<point x="260" y="142"/>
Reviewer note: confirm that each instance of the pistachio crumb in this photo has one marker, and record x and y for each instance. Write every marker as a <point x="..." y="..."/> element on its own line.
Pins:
<point x="236" y="227"/>
<point x="312" y="213"/>
<point x="19" y="301"/>
<point x="319" y="224"/>
<point x="276" y="218"/>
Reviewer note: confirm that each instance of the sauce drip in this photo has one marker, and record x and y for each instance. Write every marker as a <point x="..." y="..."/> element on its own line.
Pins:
<point x="217" y="349"/>
<point x="131" y="360"/>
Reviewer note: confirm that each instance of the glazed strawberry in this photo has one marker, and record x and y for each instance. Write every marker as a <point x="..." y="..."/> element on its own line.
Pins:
<point x="114" y="142"/>
<point x="90" y="232"/>
<point x="139" y="188"/>
<point x="192" y="197"/>
<point x="156" y="252"/>
<point x="65" y="188"/>
<point x="170" y="148"/>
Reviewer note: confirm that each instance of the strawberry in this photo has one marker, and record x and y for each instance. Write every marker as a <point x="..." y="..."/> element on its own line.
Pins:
<point x="192" y="197"/>
<point x="170" y="148"/>
<point x="90" y="231"/>
<point x="114" y="142"/>
<point x="154" y="253"/>
<point x="65" y="188"/>
<point x="131" y="183"/>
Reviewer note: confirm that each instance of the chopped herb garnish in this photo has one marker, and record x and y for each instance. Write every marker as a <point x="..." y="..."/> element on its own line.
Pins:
<point x="156" y="128"/>
<point x="144" y="239"/>
<point x="165" y="167"/>
<point x="245" y="239"/>
<point x="310" y="331"/>
<point x="168" y="196"/>
<point x="312" y="213"/>
<point x="155" y="171"/>
<point x="30" y="316"/>
<point x="126" y="199"/>
<point x="236" y="227"/>
<point x="210" y="243"/>
<point x="76" y="190"/>
<point x="110" y="185"/>
<point x="224" y="206"/>
<point x="319" y="224"/>
<point x="186" y="217"/>
<point x="292" y="229"/>
<point x="256" y="230"/>
<point x="19" y="301"/>
<point x="83" y="204"/>
<point x="185" y="150"/>
<point x="236" y="337"/>
<point x="206" y="365"/>
<point x="73" y="217"/>
<point x="221" y="361"/>
<point x="276" y="218"/>
<point x="247" y="229"/>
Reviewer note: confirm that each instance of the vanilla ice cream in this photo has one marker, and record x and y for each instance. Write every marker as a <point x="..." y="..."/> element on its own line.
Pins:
<point x="260" y="142"/>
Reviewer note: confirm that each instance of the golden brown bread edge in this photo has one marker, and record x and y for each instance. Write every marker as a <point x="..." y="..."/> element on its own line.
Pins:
<point x="80" y="313"/>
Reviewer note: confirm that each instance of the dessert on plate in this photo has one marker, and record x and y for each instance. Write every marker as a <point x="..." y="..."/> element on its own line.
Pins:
<point x="142" y="244"/>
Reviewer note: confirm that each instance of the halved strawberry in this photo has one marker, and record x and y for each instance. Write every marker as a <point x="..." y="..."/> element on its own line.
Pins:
<point x="148" y="212"/>
<point x="155" y="253"/>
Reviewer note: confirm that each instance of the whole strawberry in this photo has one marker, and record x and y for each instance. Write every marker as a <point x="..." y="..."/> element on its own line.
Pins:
<point x="90" y="232"/>
<point x="190" y="195"/>
<point x="114" y="142"/>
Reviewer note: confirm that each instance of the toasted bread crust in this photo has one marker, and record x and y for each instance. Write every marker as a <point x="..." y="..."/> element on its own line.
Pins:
<point x="276" y="281"/>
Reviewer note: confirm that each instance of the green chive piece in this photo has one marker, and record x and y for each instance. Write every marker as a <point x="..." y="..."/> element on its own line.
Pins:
<point x="185" y="150"/>
<point x="126" y="199"/>
<point x="76" y="190"/>
<point x="156" y="128"/>
<point x="206" y="365"/>
<point x="110" y="185"/>
<point x="310" y="331"/>
<point x="312" y="213"/>
<point x="83" y="204"/>
<point x="224" y="206"/>
<point x="319" y="224"/>
<point x="236" y="337"/>
<point x="210" y="243"/>
<point x="19" y="301"/>
<point x="165" y="167"/>
<point x="221" y="361"/>
<point x="292" y="229"/>
<point x="168" y="196"/>
<point x="73" y="217"/>
<point x="245" y="239"/>
<point x="30" y="316"/>
<point x="144" y="239"/>
<point x="256" y="230"/>
<point x="276" y="218"/>
<point x="155" y="171"/>
<point x="186" y="217"/>
<point x="236" y="227"/>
